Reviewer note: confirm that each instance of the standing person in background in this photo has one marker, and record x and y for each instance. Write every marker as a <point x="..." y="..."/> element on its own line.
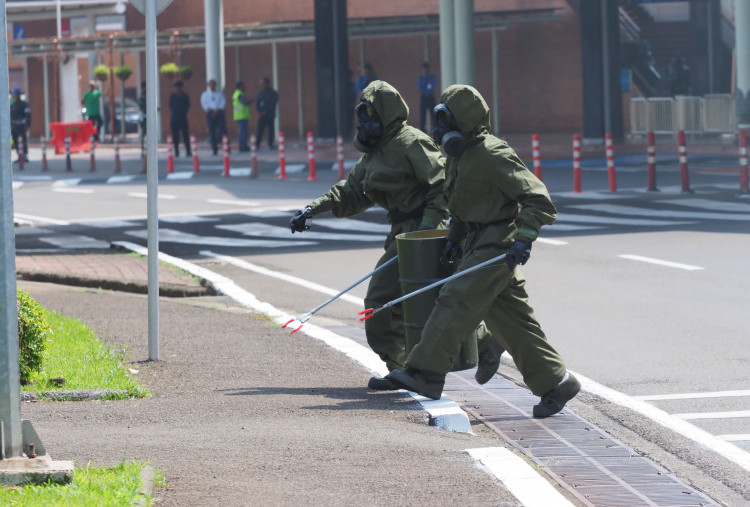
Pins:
<point x="241" y="114"/>
<point x="367" y="77"/>
<point x="266" y="103"/>
<point x="20" y="120"/>
<point x="426" y="86"/>
<point x="179" y="104"/>
<point x="91" y="102"/>
<point x="213" y="103"/>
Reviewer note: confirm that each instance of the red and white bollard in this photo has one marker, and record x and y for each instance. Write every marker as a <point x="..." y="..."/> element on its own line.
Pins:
<point x="311" y="157"/>
<point x="118" y="162"/>
<point x="253" y="158"/>
<point x="282" y="157"/>
<point x="611" y="174"/>
<point x="536" y="158"/>
<point x="68" y="163"/>
<point x="577" y="164"/>
<point x="194" y="151"/>
<point x="651" y="160"/>
<point x="225" y="150"/>
<point x="92" y="167"/>
<point x="340" y="155"/>
<point x="682" y="153"/>
<point x="743" y="163"/>
<point x="21" y="155"/>
<point x="170" y="154"/>
<point x="45" y="167"/>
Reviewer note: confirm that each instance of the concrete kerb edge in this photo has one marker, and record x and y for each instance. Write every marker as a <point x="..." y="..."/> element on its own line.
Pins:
<point x="146" y="491"/>
<point x="444" y="413"/>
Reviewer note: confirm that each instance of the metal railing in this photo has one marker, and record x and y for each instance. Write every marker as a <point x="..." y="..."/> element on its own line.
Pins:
<point x="714" y="114"/>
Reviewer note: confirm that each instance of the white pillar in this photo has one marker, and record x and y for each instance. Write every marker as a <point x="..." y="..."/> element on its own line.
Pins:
<point x="464" y="41"/>
<point x="214" y="28"/>
<point x="447" y="46"/>
<point x="275" y="78"/>
<point x="742" y="44"/>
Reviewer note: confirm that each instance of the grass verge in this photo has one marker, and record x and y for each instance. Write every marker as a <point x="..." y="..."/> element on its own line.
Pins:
<point x="75" y="354"/>
<point x="92" y="486"/>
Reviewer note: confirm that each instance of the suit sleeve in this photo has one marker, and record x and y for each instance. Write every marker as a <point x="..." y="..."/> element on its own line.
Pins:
<point x="429" y="168"/>
<point x="345" y="198"/>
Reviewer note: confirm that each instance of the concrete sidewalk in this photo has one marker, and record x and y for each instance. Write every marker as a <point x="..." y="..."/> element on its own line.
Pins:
<point x="242" y="413"/>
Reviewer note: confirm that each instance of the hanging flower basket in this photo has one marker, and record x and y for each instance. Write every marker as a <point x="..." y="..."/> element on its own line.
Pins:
<point x="123" y="72"/>
<point x="169" y="70"/>
<point x="101" y="72"/>
<point x="185" y="71"/>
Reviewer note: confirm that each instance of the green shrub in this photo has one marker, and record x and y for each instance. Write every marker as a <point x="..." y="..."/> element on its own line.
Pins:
<point x="101" y="72"/>
<point x="32" y="336"/>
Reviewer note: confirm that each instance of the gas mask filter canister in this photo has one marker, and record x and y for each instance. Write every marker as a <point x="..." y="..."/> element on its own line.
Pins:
<point x="446" y="132"/>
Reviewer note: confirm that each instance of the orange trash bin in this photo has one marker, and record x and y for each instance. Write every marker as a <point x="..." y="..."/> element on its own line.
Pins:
<point x="79" y="132"/>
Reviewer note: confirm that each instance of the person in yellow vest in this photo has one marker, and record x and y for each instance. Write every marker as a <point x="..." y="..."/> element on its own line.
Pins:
<point x="241" y="108"/>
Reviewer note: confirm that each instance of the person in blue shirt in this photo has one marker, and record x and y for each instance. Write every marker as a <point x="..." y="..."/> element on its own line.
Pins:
<point x="426" y="86"/>
<point x="366" y="78"/>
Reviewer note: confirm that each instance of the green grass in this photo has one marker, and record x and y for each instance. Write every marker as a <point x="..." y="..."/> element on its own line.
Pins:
<point x="75" y="354"/>
<point x="105" y="487"/>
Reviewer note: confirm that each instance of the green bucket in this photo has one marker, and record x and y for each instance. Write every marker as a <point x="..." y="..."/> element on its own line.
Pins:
<point x="418" y="266"/>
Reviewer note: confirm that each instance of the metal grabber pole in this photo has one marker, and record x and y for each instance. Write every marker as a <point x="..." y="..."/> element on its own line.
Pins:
<point x="369" y="312"/>
<point x="306" y="316"/>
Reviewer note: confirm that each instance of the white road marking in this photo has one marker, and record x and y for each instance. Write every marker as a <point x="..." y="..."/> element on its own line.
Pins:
<point x="33" y="231"/>
<point x="31" y="177"/>
<point x="557" y="227"/>
<point x="590" y="194"/>
<point x="269" y="213"/>
<point x="143" y="195"/>
<point x="240" y="172"/>
<point x="292" y="168"/>
<point x="731" y="207"/>
<point x="281" y="276"/>
<point x="74" y="242"/>
<point x="684" y="428"/>
<point x="34" y="218"/>
<point x="66" y="183"/>
<point x="735" y="437"/>
<point x="519" y="477"/>
<point x="732" y="414"/>
<point x="109" y="224"/>
<point x="685" y="215"/>
<point x="555" y="242"/>
<point x="692" y="396"/>
<point x="184" y="175"/>
<point x="566" y="217"/>
<point x="274" y="231"/>
<point x="173" y="236"/>
<point x="233" y="203"/>
<point x="351" y="224"/>
<point x="444" y="413"/>
<point x="121" y="179"/>
<point x="660" y="262"/>
<point x="16" y="185"/>
<point x="187" y="219"/>
<point x="73" y="190"/>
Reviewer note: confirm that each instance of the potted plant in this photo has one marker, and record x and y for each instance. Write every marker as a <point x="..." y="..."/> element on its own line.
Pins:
<point x="123" y="72"/>
<point x="101" y="72"/>
<point x="169" y="69"/>
<point x="185" y="71"/>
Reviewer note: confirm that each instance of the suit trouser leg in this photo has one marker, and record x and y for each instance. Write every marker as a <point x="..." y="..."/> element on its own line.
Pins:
<point x="185" y="135"/>
<point x="175" y="126"/>
<point x="211" y="122"/>
<point x="385" y="331"/>
<point x="496" y="295"/>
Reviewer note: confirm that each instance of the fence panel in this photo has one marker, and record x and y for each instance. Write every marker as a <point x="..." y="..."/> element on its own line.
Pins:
<point x="661" y="115"/>
<point x="720" y="115"/>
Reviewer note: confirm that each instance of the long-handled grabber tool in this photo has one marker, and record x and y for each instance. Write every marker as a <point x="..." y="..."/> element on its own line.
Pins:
<point x="369" y="312"/>
<point x="306" y="316"/>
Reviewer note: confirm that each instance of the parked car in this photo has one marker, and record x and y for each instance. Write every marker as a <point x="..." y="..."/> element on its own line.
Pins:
<point x="132" y="115"/>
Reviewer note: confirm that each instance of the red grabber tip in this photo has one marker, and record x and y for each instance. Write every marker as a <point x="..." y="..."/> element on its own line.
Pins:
<point x="285" y="325"/>
<point x="365" y="314"/>
<point x="300" y="327"/>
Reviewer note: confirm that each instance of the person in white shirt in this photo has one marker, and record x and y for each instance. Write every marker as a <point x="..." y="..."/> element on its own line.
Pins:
<point x="213" y="103"/>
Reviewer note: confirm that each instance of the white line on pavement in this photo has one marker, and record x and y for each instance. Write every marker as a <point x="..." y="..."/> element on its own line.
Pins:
<point x="34" y="218"/>
<point x="707" y="204"/>
<point x="691" y="396"/>
<point x="281" y="276"/>
<point x="684" y="428"/>
<point x="519" y="477"/>
<point x="660" y="262"/>
<point x="121" y="179"/>
<point x="73" y="190"/>
<point x="234" y="203"/>
<point x="16" y="185"/>
<point x="143" y="195"/>
<point x="735" y="437"/>
<point x="444" y="413"/>
<point x="732" y="414"/>
<point x="555" y="242"/>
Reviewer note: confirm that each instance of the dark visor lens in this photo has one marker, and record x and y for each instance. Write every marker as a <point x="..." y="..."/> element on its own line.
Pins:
<point x="443" y="116"/>
<point x="364" y="111"/>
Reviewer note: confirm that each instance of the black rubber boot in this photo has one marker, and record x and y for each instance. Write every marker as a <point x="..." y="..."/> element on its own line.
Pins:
<point x="382" y="384"/>
<point x="489" y="362"/>
<point x="554" y="401"/>
<point x="423" y="382"/>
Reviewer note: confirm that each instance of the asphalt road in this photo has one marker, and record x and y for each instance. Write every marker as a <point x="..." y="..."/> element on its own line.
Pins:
<point x="645" y="293"/>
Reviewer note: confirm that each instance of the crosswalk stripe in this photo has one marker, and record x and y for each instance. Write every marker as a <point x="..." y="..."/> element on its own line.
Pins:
<point x="174" y="236"/>
<point x="691" y="396"/>
<point x="731" y="414"/>
<point x="351" y="224"/>
<point x="74" y="242"/>
<point x="271" y="231"/>
<point x="593" y="219"/>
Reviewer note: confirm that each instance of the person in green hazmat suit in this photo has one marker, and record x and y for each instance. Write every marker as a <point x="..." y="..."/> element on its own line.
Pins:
<point x="497" y="206"/>
<point x="402" y="171"/>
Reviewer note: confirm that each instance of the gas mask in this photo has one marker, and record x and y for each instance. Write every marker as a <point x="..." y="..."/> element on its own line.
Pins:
<point x="446" y="132"/>
<point x="369" y="126"/>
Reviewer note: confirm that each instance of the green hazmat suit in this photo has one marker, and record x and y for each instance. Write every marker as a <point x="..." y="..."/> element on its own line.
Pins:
<point x="493" y="200"/>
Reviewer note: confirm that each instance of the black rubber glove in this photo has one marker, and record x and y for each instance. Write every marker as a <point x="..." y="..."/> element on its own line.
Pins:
<point x="452" y="252"/>
<point x="519" y="253"/>
<point x="298" y="222"/>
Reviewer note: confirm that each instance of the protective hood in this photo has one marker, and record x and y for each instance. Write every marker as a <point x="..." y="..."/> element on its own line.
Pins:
<point x="469" y="109"/>
<point x="388" y="103"/>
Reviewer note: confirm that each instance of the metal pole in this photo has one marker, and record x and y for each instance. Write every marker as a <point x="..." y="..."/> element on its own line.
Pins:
<point x="464" y="41"/>
<point x="742" y="43"/>
<point x="152" y="182"/>
<point x="45" y="79"/>
<point x="300" y="112"/>
<point x="58" y="15"/>
<point x="337" y="70"/>
<point x="495" y="85"/>
<point x="605" y="69"/>
<point x="275" y="72"/>
<point x="10" y="389"/>
<point x="447" y="45"/>
<point x="214" y="37"/>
